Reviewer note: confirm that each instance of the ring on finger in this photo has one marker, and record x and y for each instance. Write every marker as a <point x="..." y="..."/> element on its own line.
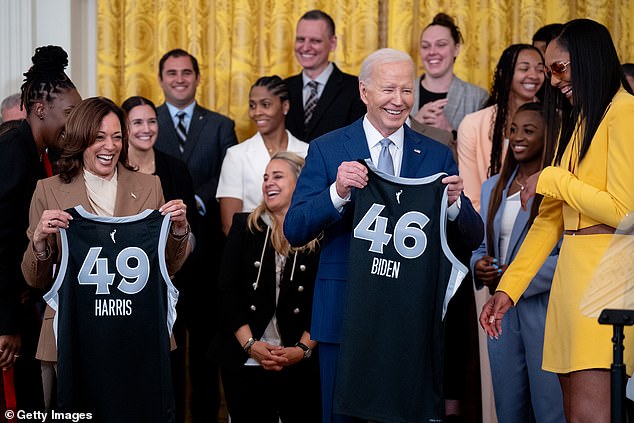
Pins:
<point x="50" y="225"/>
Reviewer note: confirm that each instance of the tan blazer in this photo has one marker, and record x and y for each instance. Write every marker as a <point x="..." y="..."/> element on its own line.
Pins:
<point x="135" y="193"/>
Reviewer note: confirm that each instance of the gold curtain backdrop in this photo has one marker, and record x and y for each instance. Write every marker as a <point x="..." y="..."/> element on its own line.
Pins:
<point x="237" y="41"/>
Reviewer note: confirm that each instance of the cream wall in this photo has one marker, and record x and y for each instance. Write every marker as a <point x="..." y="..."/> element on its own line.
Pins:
<point x="27" y="24"/>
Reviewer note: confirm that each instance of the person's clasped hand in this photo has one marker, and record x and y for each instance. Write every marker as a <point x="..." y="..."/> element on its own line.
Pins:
<point x="433" y="114"/>
<point x="262" y="352"/>
<point x="489" y="272"/>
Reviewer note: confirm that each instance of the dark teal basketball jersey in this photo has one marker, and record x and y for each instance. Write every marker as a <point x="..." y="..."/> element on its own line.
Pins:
<point x="115" y="308"/>
<point x="401" y="277"/>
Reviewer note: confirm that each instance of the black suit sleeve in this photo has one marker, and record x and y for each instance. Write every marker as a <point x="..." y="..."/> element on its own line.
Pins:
<point x="17" y="182"/>
<point x="231" y="275"/>
<point x="226" y="136"/>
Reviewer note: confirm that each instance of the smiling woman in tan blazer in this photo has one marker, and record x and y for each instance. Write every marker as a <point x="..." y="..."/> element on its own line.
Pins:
<point x="95" y="174"/>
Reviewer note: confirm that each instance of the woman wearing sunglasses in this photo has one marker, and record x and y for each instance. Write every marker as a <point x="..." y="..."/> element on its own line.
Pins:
<point x="587" y="191"/>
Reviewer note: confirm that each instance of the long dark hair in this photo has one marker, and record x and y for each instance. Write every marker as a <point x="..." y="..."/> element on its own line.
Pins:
<point x="136" y="100"/>
<point x="500" y="93"/>
<point x="82" y="127"/>
<point x="510" y="164"/>
<point x="596" y="76"/>
<point x="45" y="77"/>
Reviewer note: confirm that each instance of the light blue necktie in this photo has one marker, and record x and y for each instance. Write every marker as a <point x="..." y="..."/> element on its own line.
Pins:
<point x="386" y="164"/>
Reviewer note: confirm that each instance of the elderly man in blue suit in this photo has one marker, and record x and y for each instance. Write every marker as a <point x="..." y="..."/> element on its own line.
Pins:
<point x="324" y="197"/>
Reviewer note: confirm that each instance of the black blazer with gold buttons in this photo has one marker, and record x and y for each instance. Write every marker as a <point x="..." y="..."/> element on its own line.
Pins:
<point x="245" y="298"/>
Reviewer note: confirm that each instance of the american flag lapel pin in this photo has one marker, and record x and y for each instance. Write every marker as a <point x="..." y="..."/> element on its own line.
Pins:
<point x="417" y="151"/>
<point x="132" y="195"/>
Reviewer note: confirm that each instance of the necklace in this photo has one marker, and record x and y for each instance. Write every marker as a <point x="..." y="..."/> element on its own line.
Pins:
<point x="272" y="150"/>
<point x="522" y="186"/>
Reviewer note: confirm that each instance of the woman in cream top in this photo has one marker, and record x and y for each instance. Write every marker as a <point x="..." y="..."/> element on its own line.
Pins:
<point x="244" y="164"/>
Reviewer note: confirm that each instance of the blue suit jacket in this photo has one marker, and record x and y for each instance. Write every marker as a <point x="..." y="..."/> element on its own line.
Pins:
<point x="542" y="281"/>
<point x="312" y="212"/>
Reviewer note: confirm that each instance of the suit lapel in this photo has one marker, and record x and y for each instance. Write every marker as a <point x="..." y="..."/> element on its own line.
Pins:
<point x="74" y="193"/>
<point x="296" y="113"/>
<point x="456" y="90"/>
<point x="328" y="95"/>
<point x="413" y="154"/>
<point x="519" y="228"/>
<point x="167" y="134"/>
<point x="497" y="223"/>
<point x="195" y="128"/>
<point x="355" y="141"/>
<point x="130" y="194"/>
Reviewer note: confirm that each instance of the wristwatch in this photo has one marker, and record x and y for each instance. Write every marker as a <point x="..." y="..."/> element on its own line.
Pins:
<point x="307" y="351"/>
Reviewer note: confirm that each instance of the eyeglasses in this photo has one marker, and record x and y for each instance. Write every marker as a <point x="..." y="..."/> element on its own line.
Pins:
<point x="556" y="68"/>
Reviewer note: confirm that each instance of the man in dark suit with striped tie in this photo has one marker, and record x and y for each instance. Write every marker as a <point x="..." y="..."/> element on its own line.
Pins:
<point x="200" y="138"/>
<point x="322" y="97"/>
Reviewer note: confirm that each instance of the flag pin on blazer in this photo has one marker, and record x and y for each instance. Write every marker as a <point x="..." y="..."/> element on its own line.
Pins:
<point x="417" y="151"/>
<point x="133" y="196"/>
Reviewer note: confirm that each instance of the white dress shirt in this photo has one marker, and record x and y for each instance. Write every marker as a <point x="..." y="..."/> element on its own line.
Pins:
<point x="373" y="138"/>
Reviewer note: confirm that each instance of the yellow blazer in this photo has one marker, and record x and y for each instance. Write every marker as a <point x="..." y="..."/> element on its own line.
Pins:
<point x="135" y="193"/>
<point x="598" y="190"/>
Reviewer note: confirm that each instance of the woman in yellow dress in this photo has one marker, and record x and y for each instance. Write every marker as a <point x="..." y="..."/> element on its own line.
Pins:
<point x="587" y="191"/>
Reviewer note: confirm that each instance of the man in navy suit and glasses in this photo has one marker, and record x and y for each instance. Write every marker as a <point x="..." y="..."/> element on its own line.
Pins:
<point x="323" y="200"/>
<point x="200" y="138"/>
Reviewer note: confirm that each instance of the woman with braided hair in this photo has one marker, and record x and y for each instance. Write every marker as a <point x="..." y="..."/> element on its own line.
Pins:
<point x="48" y="95"/>
<point x="243" y="166"/>
<point x="483" y="135"/>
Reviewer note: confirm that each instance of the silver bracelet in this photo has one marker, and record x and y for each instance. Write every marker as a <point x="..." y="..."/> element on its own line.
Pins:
<point x="247" y="345"/>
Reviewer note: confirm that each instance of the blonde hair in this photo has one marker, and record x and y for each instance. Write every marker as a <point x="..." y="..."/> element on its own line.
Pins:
<point x="278" y="240"/>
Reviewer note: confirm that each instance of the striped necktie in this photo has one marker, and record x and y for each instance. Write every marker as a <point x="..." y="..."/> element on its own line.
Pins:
<point x="386" y="163"/>
<point x="311" y="102"/>
<point x="181" y="131"/>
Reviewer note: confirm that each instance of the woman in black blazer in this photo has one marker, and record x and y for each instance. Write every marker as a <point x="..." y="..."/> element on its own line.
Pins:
<point x="266" y="356"/>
